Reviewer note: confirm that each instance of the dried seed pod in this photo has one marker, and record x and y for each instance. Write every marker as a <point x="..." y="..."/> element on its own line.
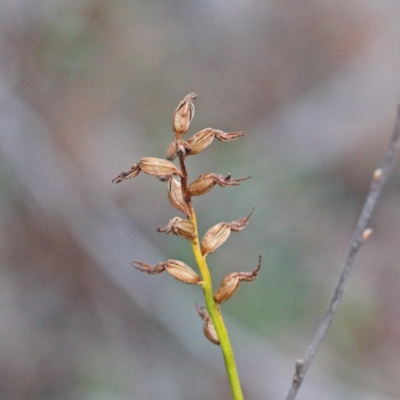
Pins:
<point x="230" y="284"/>
<point x="158" y="167"/>
<point x="175" y="195"/>
<point x="201" y="140"/>
<point x="181" y="271"/>
<point x="207" y="181"/>
<point x="123" y="176"/>
<point x="178" y="269"/>
<point x="202" y="185"/>
<point x="208" y="326"/>
<point x="227" y="137"/>
<point x="180" y="227"/>
<point x="183" y="115"/>
<point x="178" y="148"/>
<point x="219" y="233"/>
<point x="215" y="237"/>
<point x="240" y="224"/>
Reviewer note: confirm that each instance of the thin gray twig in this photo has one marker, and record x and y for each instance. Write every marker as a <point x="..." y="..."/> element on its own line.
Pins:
<point x="361" y="233"/>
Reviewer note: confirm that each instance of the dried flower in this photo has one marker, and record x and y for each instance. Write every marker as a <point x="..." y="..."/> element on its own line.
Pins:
<point x="183" y="115"/>
<point x="218" y="234"/>
<point x="240" y="224"/>
<point x="175" y="195"/>
<point x="208" y="326"/>
<point x="230" y="284"/>
<point x="131" y="173"/>
<point x="180" y="227"/>
<point x="227" y="137"/>
<point x="181" y="271"/>
<point x="158" y="167"/>
<point x="207" y="181"/>
<point x="178" y="269"/>
<point x="201" y="140"/>
<point x="215" y="237"/>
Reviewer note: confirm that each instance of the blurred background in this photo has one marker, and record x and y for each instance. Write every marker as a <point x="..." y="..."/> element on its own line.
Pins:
<point x="88" y="87"/>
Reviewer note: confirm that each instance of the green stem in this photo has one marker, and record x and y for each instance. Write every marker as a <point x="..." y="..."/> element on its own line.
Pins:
<point x="215" y="315"/>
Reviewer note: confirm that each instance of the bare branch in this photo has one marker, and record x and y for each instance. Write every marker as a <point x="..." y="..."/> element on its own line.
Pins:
<point x="361" y="234"/>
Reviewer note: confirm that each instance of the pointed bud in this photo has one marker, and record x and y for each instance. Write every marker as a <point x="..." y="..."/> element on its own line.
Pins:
<point x="201" y="140"/>
<point x="240" y="224"/>
<point x="178" y="148"/>
<point x="175" y="195"/>
<point x="207" y="181"/>
<point x="227" y="137"/>
<point x="123" y="176"/>
<point x="180" y="227"/>
<point x="158" y="167"/>
<point x="208" y="326"/>
<point x="218" y="234"/>
<point x="215" y="237"/>
<point x="183" y="115"/>
<point x="181" y="271"/>
<point x="230" y="284"/>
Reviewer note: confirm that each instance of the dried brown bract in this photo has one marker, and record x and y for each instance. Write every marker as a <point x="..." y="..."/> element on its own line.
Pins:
<point x="180" y="227"/>
<point x="208" y="326"/>
<point x="240" y="224"/>
<point x="227" y="137"/>
<point x="183" y="115"/>
<point x="230" y="284"/>
<point x="131" y="173"/>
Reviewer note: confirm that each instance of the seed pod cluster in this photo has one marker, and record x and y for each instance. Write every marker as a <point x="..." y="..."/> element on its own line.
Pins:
<point x="180" y="193"/>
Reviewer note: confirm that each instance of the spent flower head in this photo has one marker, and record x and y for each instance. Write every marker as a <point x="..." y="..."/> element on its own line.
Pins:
<point x="180" y="194"/>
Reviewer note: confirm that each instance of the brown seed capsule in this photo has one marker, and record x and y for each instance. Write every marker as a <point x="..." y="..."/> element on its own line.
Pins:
<point x="180" y="227"/>
<point x="158" y="167"/>
<point x="181" y="271"/>
<point x="218" y="234"/>
<point x="227" y="137"/>
<point x="178" y="269"/>
<point x="215" y="237"/>
<point x="207" y="181"/>
<point x="230" y="284"/>
<point x="208" y="326"/>
<point x="183" y="115"/>
<point x="202" y="185"/>
<point x="123" y="176"/>
<point x="175" y="195"/>
<point x="201" y="140"/>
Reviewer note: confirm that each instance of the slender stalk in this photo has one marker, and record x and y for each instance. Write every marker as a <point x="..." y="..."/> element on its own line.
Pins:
<point x="213" y="308"/>
<point x="216" y="317"/>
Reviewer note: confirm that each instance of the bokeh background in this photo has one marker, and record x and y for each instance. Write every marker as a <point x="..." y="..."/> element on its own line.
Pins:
<point x="88" y="87"/>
